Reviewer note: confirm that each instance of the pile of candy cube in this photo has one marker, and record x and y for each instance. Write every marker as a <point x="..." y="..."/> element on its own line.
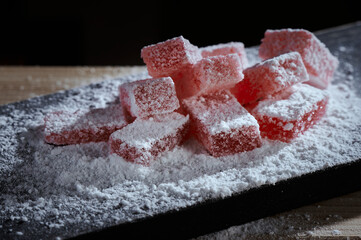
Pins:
<point x="210" y="94"/>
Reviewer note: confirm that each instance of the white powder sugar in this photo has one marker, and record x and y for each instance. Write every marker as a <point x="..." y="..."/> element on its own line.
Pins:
<point x="83" y="186"/>
<point x="292" y="103"/>
<point x="219" y="112"/>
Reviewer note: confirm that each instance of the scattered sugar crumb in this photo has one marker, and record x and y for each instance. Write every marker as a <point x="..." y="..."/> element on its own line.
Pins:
<point x="336" y="232"/>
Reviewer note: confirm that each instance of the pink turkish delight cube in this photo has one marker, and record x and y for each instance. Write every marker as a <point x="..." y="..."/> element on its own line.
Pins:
<point x="225" y="49"/>
<point x="270" y="76"/>
<point x="146" y="138"/>
<point x="209" y="75"/>
<point x="65" y="127"/>
<point x="149" y="96"/>
<point x="169" y="57"/>
<point x="319" y="61"/>
<point x="221" y="124"/>
<point x="289" y="113"/>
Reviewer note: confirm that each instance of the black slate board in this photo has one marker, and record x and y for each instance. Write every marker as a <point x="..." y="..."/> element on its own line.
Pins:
<point x="218" y="214"/>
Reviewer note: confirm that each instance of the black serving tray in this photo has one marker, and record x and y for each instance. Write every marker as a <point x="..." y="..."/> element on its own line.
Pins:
<point x="217" y="214"/>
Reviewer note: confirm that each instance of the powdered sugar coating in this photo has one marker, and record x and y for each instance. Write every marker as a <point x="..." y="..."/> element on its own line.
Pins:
<point x="270" y="76"/>
<point x="319" y="61"/>
<point x="291" y="112"/>
<point x="146" y="138"/>
<point x="149" y="96"/>
<point x="291" y="104"/>
<point x="219" y="111"/>
<point x="218" y="72"/>
<point x="209" y="75"/>
<point x="225" y="49"/>
<point x="65" y="127"/>
<point x="289" y="68"/>
<point x="222" y="125"/>
<point x="169" y="57"/>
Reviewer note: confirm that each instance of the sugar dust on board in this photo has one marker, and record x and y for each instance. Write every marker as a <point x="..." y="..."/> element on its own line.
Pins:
<point x="210" y="94"/>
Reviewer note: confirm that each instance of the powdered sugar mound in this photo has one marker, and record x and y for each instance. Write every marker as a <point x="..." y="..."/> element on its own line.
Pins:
<point x="69" y="189"/>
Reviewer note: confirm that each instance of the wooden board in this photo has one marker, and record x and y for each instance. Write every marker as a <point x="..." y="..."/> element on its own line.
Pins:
<point x="20" y="83"/>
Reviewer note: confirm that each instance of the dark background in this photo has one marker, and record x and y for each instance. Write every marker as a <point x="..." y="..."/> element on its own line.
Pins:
<point x="52" y="32"/>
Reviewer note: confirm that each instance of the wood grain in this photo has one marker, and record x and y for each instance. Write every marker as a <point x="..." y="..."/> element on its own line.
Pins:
<point x="332" y="219"/>
<point x="337" y="218"/>
<point x="20" y="83"/>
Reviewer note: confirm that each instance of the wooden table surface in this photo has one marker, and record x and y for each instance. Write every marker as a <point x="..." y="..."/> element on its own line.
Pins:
<point x="338" y="218"/>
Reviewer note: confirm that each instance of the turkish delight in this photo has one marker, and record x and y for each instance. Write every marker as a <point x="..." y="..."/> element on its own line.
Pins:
<point x="270" y="76"/>
<point x="146" y="138"/>
<point x="209" y="75"/>
<point x="169" y="57"/>
<point x="221" y="124"/>
<point x="225" y="49"/>
<point x="149" y="96"/>
<point x="289" y="113"/>
<point x="319" y="61"/>
<point x="83" y="126"/>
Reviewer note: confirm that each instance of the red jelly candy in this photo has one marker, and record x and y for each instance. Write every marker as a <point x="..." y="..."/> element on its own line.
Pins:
<point x="289" y="113"/>
<point x="221" y="124"/>
<point x="146" y="138"/>
<point x="225" y="49"/>
<point x="209" y="75"/>
<point x="319" y="62"/>
<point x="169" y="57"/>
<point x="270" y="76"/>
<point x="149" y="96"/>
<point x="62" y="128"/>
